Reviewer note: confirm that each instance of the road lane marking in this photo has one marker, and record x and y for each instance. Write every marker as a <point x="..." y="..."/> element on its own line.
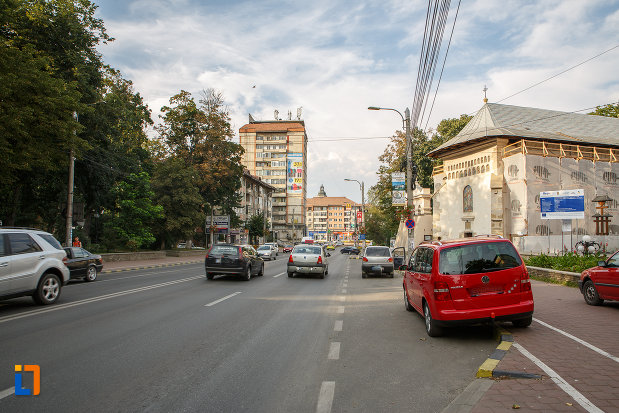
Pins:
<point x="7" y="392"/>
<point x="222" y="299"/>
<point x="340" y="309"/>
<point x="325" y="398"/>
<point x="279" y="275"/>
<point x="150" y="274"/>
<point x="576" y="339"/>
<point x="334" y="351"/>
<point x="338" y="325"/>
<point x="565" y="386"/>
<point x="342" y="298"/>
<point x="95" y="299"/>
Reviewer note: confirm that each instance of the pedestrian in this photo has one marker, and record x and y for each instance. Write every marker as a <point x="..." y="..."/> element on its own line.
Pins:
<point x="77" y="242"/>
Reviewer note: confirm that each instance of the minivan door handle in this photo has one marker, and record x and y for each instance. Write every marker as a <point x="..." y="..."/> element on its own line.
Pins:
<point x="41" y="257"/>
<point x="4" y="264"/>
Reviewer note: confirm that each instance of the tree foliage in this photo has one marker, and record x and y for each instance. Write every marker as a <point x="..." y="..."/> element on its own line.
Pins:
<point x="256" y="226"/>
<point x="610" y="110"/>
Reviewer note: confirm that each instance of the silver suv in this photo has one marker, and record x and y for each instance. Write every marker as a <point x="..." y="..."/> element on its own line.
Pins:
<point x="377" y="261"/>
<point x="32" y="262"/>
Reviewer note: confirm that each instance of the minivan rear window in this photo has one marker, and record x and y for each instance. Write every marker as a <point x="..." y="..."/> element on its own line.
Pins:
<point x="478" y="258"/>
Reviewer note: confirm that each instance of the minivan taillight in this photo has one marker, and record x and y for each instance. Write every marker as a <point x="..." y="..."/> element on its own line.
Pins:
<point x="208" y="252"/>
<point x="319" y="259"/>
<point x="290" y="259"/>
<point x="525" y="282"/>
<point x="441" y="291"/>
<point x="365" y="259"/>
<point x="65" y="259"/>
<point x="390" y="259"/>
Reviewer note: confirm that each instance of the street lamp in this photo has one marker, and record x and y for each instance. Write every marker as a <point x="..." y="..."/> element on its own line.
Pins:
<point x="406" y="123"/>
<point x="361" y="186"/>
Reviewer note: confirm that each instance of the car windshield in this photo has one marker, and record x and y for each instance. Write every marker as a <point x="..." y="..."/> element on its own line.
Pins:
<point x="307" y="250"/>
<point x="377" y="252"/>
<point x="477" y="258"/>
<point x="264" y="248"/>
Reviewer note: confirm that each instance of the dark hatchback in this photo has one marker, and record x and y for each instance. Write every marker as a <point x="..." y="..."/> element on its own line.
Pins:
<point x="83" y="264"/>
<point x="228" y="259"/>
<point x="350" y="250"/>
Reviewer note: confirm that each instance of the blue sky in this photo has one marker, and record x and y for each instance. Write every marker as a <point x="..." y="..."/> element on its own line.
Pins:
<point x="335" y="59"/>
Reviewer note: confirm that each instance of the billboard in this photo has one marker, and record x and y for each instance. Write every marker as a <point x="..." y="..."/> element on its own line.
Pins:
<point x="221" y="223"/>
<point x="562" y="204"/>
<point x="398" y="188"/>
<point x="294" y="172"/>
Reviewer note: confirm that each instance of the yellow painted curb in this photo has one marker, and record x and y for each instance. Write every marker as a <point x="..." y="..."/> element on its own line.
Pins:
<point x="505" y="345"/>
<point x="485" y="370"/>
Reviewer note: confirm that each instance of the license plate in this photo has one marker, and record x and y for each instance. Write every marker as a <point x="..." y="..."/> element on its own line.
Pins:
<point x="486" y="289"/>
<point x="305" y="269"/>
<point x="377" y="268"/>
<point x="217" y="260"/>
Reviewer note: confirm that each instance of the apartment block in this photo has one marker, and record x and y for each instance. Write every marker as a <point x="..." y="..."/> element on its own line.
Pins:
<point x="332" y="218"/>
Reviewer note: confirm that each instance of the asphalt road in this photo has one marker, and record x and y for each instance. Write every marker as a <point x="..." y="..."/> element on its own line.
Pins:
<point x="169" y="340"/>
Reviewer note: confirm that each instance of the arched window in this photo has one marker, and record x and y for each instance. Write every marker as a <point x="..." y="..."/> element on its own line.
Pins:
<point x="477" y="168"/>
<point x="467" y="199"/>
<point x="483" y="169"/>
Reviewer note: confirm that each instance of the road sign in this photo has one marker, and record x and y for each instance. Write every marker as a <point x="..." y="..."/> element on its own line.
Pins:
<point x="361" y="236"/>
<point x="410" y="223"/>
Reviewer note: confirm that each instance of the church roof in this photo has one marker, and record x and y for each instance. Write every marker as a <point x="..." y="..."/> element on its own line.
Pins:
<point x="494" y="120"/>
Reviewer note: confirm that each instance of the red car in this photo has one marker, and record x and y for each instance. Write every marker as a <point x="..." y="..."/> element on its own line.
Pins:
<point x="287" y="248"/>
<point x="467" y="281"/>
<point x="602" y="282"/>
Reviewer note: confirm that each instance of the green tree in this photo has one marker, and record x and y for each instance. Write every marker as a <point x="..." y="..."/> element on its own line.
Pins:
<point x="175" y="191"/>
<point x="610" y="110"/>
<point x="256" y="226"/>
<point x="130" y="224"/>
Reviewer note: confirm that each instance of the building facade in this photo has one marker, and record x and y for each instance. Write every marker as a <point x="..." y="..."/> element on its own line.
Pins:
<point x="494" y="170"/>
<point x="256" y="199"/>
<point x="332" y="218"/>
<point x="276" y="152"/>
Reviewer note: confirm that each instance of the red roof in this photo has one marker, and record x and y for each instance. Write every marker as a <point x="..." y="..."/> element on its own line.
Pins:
<point x="329" y="201"/>
<point x="273" y="127"/>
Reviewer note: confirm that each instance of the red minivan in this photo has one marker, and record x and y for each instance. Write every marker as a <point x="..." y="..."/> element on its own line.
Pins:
<point x="467" y="281"/>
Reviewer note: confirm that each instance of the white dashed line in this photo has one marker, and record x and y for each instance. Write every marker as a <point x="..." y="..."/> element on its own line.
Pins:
<point x="338" y="325"/>
<point x="222" y="299"/>
<point x="334" y="351"/>
<point x="325" y="398"/>
<point x="340" y="309"/>
<point x="565" y="386"/>
<point x="279" y="275"/>
<point x="576" y="339"/>
<point x="342" y="298"/>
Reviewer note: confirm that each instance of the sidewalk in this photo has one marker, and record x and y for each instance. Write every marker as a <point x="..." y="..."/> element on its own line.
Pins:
<point x="116" y="266"/>
<point x="575" y="374"/>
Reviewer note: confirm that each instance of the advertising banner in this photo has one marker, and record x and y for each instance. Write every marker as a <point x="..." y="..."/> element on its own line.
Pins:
<point x="398" y="188"/>
<point x="220" y="222"/>
<point x="294" y="171"/>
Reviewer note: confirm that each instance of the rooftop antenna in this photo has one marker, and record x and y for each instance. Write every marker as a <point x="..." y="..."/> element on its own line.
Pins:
<point x="289" y="115"/>
<point x="485" y="97"/>
<point x="276" y="114"/>
<point x="299" y="110"/>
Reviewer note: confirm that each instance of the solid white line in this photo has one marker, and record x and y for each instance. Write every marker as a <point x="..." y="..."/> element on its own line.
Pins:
<point x="342" y="298"/>
<point x="7" y="392"/>
<point x="334" y="351"/>
<point x="340" y="309"/>
<point x="95" y="299"/>
<point x="576" y="339"/>
<point x="565" y="386"/>
<point x="325" y="398"/>
<point x="222" y="299"/>
<point x="279" y="275"/>
<point x="338" y="325"/>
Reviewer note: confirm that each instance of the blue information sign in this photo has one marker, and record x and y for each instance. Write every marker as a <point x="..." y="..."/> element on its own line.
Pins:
<point x="362" y="236"/>
<point x="563" y="204"/>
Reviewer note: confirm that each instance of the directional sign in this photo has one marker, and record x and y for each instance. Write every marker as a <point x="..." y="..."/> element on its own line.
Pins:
<point x="410" y="223"/>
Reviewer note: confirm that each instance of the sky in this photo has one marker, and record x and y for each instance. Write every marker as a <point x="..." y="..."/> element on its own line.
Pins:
<point x="333" y="59"/>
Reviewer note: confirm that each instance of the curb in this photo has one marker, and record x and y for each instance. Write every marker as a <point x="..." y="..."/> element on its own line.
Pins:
<point x="149" y="266"/>
<point x="488" y="368"/>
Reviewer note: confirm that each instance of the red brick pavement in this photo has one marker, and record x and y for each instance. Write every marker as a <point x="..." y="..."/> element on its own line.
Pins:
<point x="595" y="376"/>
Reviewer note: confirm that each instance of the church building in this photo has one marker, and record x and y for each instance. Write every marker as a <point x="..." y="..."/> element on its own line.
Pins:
<point x="494" y="170"/>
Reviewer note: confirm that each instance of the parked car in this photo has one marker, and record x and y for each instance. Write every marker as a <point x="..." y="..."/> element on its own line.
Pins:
<point x="377" y="261"/>
<point x="287" y="248"/>
<point x="467" y="281"/>
<point x="330" y="247"/>
<point x="266" y="252"/>
<point x="602" y="282"/>
<point x="83" y="264"/>
<point x="308" y="259"/>
<point x="238" y="260"/>
<point x="32" y="262"/>
<point x="350" y="250"/>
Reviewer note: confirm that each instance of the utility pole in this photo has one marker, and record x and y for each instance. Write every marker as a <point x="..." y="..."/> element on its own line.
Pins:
<point x="409" y="173"/>
<point x="69" y="217"/>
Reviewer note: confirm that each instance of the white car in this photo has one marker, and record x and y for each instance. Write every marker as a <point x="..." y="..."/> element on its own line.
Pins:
<point x="274" y="247"/>
<point x="308" y="259"/>
<point x="266" y="252"/>
<point x="32" y="262"/>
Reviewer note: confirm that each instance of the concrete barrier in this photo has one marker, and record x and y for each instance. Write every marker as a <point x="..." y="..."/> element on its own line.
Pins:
<point x="554" y="274"/>
<point x="150" y="255"/>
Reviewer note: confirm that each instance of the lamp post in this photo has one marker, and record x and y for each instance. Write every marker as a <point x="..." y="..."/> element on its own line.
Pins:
<point x="361" y="186"/>
<point x="406" y="123"/>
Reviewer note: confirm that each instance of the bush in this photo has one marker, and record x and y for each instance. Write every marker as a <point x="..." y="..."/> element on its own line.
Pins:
<point x="569" y="262"/>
